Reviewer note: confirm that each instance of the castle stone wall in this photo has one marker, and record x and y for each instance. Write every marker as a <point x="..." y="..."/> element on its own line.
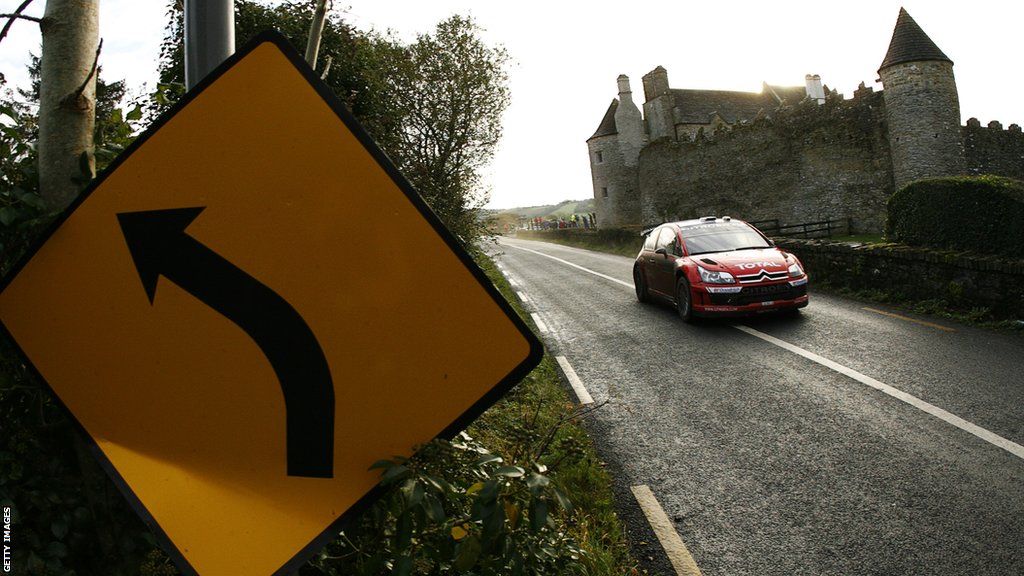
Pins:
<point x="993" y="150"/>
<point x="807" y="163"/>
<point x="923" y="111"/>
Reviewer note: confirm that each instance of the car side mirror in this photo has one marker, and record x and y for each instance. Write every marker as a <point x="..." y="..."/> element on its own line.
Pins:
<point x="661" y="251"/>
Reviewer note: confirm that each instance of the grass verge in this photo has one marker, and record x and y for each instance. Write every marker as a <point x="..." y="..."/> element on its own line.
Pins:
<point x="937" y="308"/>
<point x="538" y="419"/>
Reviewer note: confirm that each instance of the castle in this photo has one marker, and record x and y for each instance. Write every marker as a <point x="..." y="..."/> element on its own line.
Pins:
<point x="796" y="154"/>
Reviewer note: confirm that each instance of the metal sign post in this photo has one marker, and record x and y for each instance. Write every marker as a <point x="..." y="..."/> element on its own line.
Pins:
<point x="209" y="37"/>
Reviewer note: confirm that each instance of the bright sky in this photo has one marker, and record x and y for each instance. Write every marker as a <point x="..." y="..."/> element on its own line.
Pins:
<point x="568" y="54"/>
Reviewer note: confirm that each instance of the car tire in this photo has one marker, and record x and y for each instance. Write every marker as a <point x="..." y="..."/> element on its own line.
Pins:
<point x="684" y="304"/>
<point x="640" y="284"/>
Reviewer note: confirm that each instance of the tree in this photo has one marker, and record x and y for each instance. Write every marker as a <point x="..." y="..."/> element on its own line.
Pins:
<point x="67" y="98"/>
<point x="442" y="98"/>
<point x="434" y="105"/>
<point x="339" y="41"/>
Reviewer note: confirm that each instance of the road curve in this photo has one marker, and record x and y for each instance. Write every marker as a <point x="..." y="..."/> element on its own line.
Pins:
<point x="770" y="463"/>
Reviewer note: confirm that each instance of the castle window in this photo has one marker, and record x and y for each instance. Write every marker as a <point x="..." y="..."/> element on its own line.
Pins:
<point x="604" y="192"/>
<point x="598" y="157"/>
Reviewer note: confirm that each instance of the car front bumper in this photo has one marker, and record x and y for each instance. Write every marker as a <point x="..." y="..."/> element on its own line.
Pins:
<point x="711" y="300"/>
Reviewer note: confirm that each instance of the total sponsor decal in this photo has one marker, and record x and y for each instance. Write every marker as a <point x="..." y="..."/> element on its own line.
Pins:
<point x="752" y="265"/>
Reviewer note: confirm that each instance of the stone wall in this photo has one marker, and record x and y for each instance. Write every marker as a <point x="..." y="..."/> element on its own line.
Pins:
<point x="806" y="163"/>
<point x="964" y="281"/>
<point x="992" y="150"/>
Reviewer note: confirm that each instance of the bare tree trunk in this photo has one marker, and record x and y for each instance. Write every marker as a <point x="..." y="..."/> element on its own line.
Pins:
<point x="67" y="98"/>
<point x="316" y="30"/>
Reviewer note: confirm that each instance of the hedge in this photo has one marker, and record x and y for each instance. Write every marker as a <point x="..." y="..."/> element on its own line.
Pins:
<point x="983" y="214"/>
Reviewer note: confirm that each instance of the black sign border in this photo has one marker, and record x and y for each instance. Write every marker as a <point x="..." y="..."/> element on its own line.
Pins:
<point x="341" y="110"/>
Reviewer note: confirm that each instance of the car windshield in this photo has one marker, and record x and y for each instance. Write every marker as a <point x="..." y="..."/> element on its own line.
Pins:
<point x="721" y="237"/>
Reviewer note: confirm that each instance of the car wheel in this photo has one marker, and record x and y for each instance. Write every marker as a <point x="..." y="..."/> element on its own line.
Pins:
<point x="641" y="285"/>
<point x="683" y="303"/>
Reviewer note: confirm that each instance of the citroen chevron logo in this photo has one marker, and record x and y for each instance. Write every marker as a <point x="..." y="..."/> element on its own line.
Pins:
<point x="761" y="276"/>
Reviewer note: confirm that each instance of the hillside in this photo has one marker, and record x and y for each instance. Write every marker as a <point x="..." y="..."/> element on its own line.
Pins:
<point x="563" y="209"/>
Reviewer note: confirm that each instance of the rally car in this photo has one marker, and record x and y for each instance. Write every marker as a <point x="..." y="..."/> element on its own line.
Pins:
<point x="717" y="267"/>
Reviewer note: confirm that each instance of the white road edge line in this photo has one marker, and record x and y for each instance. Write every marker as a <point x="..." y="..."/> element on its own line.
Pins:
<point x="522" y="296"/>
<point x="577" y="266"/>
<point x="574" y="381"/>
<point x="540" y="323"/>
<point x="950" y="418"/>
<point x="674" y="547"/>
<point x="994" y="439"/>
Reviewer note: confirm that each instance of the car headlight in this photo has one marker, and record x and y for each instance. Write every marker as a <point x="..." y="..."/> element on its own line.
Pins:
<point x="795" y="270"/>
<point x="712" y="277"/>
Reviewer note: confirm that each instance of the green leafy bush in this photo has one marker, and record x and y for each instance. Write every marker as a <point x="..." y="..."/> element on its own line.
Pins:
<point x="979" y="213"/>
<point x="456" y="508"/>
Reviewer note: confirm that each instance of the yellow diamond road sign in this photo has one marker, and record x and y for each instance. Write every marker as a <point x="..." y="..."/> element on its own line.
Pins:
<point x="249" y="309"/>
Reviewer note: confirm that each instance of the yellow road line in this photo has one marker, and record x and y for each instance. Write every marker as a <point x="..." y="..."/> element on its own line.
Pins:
<point x="677" y="553"/>
<point x="914" y="320"/>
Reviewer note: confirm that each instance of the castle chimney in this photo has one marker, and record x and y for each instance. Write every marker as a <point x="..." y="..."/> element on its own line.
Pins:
<point x="629" y="122"/>
<point x="655" y="83"/>
<point x="623" y="81"/>
<point x="814" y="89"/>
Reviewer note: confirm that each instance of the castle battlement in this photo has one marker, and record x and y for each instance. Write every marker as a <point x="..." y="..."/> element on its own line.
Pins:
<point x="993" y="125"/>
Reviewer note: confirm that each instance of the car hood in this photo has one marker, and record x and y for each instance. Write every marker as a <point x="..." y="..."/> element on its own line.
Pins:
<point x="766" y="261"/>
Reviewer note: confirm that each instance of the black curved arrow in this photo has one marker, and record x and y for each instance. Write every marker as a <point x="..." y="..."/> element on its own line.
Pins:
<point x="159" y="246"/>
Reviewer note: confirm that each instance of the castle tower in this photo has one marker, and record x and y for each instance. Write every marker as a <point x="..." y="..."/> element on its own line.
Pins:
<point x="922" y="106"/>
<point x="614" y="156"/>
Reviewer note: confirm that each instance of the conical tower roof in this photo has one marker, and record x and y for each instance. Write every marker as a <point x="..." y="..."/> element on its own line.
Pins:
<point x="910" y="44"/>
<point x="607" y="127"/>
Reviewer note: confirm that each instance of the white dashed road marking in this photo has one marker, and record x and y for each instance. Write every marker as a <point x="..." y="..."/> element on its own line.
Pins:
<point x="990" y="437"/>
<point x="674" y="547"/>
<point x="522" y="296"/>
<point x="540" y="323"/>
<point x="574" y="381"/>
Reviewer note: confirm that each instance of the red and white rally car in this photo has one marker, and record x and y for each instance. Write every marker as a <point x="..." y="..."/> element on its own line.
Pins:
<point x="718" y="267"/>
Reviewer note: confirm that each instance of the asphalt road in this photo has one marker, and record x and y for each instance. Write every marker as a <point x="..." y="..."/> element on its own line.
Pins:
<point x="770" y="463"/>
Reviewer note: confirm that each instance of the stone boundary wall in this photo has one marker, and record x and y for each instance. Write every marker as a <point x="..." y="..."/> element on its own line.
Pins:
<point x="804" y="163"/>
<point x="963" y="280"/>
<point x="993" y="150"/>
